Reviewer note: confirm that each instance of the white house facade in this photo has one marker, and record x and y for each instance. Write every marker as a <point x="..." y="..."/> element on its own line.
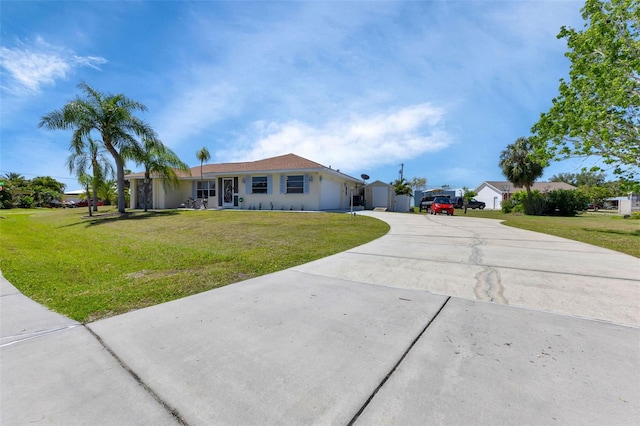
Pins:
<point x="287" y="182"/>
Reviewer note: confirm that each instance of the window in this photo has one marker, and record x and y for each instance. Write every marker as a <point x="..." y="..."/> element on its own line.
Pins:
<point x="295" y="184"/>
<point x="206" y="189"/>
<point x="259" y="185"/>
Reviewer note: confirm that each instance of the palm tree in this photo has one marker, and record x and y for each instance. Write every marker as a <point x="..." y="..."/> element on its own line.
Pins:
<point x="520" y="167"/>
<point x="14" y="186"/>
<point x="159" y="161"/>
<point x="89" y="154"/>
<point x="86" y="180"/>
<point x="202" y="155"/>
<point x="14" y="179"/>
<point x="402" y="187"/>
<point x="107" y="191"/>
<point x="109" y="115"/>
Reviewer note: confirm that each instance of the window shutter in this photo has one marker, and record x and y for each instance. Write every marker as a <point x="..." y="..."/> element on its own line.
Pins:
<point x="193" y="189"/>
<point x="282" y="184"/>
<point x="306" y="184"/>
<point x="248" y="187"/>
<point x="269" y="184"/>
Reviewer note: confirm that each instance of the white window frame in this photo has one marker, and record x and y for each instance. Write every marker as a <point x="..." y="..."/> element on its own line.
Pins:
<point x="205" y="189"/>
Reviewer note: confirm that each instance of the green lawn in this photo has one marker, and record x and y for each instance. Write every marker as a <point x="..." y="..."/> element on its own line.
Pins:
<point x="94" y="268"/>
<point x="600" y="229"/>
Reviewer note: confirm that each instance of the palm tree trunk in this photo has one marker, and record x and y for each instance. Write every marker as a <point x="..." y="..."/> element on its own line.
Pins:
<point x="119" y="172"/>
<point x="95" y="193"/>
<point x="529" y="207"/>
<point x="94" y="184"/>
<point x="88" y="200"/>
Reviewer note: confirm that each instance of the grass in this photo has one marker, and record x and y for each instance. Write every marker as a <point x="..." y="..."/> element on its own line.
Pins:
<point x="90" y="268"/>
<point x="600" y="229"/>
<point x="93" y="268"/>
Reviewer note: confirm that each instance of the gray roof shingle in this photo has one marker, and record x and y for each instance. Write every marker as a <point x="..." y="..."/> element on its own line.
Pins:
<point x="505" y="186"/>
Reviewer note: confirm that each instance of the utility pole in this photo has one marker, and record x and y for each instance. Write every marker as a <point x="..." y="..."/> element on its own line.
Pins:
<point x="401" y="172"/>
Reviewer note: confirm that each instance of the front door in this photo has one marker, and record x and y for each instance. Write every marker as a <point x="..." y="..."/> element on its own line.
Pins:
<point x="227" y="192"/>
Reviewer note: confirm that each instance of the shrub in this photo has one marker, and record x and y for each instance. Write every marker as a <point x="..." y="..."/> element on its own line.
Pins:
<point x="519" y="203"/>
<point x="564" y="202"/>
<point x="26" y="202"/>
<point x="508" y="206"/>
<point x="561" y="202"/>
<point x="6" y="200"/>
<point x="537" y="205"/>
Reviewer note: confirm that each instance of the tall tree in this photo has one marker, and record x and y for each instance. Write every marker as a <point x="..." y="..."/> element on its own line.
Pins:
<point x="586" y="178"/>
<point x="109" y="115"/>
<point x="418" y="183"/>
<point x="12" y="181"/>
<point x="45" y="189"/>
<point x="159" y="161"/>
<point x="521" y="167"/>
<point x="597" y="110"/>
<point x="87" y="154"/>
<point x="202" y="155"/>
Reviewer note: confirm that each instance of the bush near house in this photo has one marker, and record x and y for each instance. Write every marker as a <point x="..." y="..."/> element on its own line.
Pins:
<point x="559" y="202"/>
<point x="565" y="202"/>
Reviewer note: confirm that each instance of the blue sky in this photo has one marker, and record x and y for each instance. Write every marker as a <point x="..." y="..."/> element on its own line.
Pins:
<point x="439" y="86"/>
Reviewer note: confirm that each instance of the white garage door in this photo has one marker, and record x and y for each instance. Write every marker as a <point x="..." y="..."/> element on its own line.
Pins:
<point x="380" y="196"/>
<point x="330" y="195"/>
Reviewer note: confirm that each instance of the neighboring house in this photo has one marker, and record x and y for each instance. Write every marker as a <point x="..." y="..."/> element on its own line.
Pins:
<point x="613" y="203"/>
<point x="493" y="193"/>
<point x="629" y="204"/>
<point x="286" y="182"/>
<point x="74" y="196"/>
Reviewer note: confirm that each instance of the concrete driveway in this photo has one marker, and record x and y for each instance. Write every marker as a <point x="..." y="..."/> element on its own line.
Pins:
<point x="445" y="320"/>
<point x="481" y="259"/>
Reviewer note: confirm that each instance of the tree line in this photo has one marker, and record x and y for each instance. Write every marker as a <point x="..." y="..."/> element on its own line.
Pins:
<point x="18" y="191"/>
<point x="596" y="113"/>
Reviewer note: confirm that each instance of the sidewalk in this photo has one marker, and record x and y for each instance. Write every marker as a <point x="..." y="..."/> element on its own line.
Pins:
<point x="397" y="331"/>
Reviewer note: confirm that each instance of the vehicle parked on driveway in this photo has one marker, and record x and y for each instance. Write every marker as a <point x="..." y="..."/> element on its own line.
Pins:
<point x="84" y="203"/>
<point x="427" y="201"/>
<point x="475" y="204"/>
<point x="458" y="203"/>
<point x="442" y="205"/>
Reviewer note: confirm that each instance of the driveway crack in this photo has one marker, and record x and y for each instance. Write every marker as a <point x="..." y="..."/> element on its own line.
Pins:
<point x="488" y="281"/>
<point x="173" y="411"/>
<point x="395" y="367"/>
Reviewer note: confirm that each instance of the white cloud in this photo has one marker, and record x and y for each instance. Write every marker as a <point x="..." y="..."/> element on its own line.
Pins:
<point x="381" y="139"/>
<point x="33" y="65"/>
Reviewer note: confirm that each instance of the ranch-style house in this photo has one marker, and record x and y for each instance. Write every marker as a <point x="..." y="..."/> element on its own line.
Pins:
<point x="286" y="182"/>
